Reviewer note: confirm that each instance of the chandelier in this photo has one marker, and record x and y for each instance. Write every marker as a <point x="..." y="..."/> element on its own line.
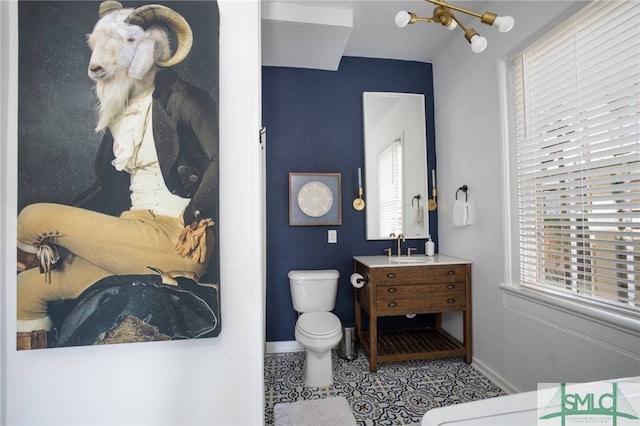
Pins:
<point x="443" y="14"/>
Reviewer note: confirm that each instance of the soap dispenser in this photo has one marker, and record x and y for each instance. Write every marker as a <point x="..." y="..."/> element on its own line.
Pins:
<point x="429" y="247"/>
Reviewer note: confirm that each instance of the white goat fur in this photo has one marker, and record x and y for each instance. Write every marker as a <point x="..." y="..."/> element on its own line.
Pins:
<point x="123" y="62"/>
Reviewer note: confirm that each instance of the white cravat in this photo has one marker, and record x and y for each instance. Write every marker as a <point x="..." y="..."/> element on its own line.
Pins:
<point x="135" y="153"/>
<point x="129" y="130"/>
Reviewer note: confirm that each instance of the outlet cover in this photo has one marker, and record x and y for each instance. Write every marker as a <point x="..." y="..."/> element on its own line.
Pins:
<point x="332" y="236"/>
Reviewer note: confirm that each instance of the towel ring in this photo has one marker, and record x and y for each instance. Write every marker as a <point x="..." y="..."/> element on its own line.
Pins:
<point x="464" y="189"/>
<point x="417" y="197"/>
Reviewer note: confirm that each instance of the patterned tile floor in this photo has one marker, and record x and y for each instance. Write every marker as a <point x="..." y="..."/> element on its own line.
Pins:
<point x="399" y="393"/>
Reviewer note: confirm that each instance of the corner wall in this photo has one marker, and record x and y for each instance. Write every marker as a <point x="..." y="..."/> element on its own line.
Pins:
<point x="210" y="381"/>
<point x="518" y="350"/>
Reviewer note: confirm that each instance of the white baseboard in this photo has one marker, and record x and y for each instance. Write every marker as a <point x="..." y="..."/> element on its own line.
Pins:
<point x="494" y="377"/>
<point x="285" y="346"/>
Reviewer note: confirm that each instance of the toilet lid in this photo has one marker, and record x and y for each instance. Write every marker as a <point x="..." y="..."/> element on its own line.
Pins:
<point x="318" y="323"/>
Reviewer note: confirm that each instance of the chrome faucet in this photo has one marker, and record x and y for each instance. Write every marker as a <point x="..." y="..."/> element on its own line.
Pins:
<point x="400" y="239"/>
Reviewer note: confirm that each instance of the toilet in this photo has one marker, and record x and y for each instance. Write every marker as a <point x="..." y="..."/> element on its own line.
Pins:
<point x="313" y="293"/>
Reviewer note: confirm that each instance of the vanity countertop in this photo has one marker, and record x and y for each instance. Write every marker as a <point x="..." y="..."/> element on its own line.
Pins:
<point x="415" y="260"/>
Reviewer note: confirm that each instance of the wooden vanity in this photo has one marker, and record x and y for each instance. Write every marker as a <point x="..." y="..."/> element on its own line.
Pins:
<point x="428" y="285"/>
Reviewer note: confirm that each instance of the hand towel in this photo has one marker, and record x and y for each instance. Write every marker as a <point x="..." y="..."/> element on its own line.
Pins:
<point x="460" y="213"/>
<point x="416" y="215"/>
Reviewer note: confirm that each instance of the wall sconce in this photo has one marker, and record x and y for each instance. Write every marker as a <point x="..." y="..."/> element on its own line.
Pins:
<point x="432" y="203"/>
<point x="443" y="14"/>
<point x="358" y="203"/>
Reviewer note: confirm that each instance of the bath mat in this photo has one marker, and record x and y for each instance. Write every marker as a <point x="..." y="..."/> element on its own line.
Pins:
<point x="314" y="412"/>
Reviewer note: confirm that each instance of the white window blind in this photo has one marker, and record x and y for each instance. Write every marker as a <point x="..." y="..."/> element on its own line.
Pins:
<point x="577" y="108"/>
<point x="390" y="195"/>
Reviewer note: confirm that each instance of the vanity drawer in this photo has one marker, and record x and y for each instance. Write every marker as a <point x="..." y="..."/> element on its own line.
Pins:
<point x="399" y="299"/>
<point x="421" y="275"/>
<point x="454" y="301"/>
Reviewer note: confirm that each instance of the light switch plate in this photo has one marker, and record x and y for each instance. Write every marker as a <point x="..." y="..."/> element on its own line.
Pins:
<point x="332" y="236"/>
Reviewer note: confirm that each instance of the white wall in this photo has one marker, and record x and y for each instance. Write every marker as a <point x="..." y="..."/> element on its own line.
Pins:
<point x="210" y="381"/>
<point x="520" y="343"/>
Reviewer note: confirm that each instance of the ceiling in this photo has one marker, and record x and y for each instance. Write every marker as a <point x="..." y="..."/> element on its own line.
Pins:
<point x="316" y="34"/>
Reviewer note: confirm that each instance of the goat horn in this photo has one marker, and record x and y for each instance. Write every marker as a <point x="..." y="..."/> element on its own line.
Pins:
<point x="145" y="16"/>
<point x="108" y="6"/>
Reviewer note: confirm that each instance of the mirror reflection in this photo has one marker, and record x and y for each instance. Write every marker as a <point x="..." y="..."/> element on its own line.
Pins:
<point x="395" y="148"/>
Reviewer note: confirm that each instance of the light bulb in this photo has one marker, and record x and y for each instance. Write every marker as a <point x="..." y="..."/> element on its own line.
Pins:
<point x="478" y="43"/>
<point x="402" y="18"/>
<point x="452" y="25"/>
<point x="504" y="23"/>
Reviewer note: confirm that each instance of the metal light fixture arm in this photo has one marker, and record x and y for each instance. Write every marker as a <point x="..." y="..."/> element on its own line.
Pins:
<point x="486" y="17"/>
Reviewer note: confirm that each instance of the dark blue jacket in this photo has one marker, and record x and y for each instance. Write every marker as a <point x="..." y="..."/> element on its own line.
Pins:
<point x="185" y="130"/>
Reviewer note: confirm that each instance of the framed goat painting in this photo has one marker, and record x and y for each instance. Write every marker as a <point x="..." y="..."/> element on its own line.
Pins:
<point x="117" y="227"/>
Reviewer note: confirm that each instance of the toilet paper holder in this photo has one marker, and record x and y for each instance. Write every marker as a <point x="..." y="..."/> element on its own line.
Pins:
<point x="362" y="280"/>
<point x="358" y="280"/>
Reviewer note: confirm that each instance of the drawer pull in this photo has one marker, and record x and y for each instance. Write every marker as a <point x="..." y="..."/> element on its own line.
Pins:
<point x="391" y="275"/>
<point x="451" y="300"/>
<point x="451" y="272"/>
<point x="392" y="304"/>
<point x="392" y="290"/>
<point x="451" y="286"/>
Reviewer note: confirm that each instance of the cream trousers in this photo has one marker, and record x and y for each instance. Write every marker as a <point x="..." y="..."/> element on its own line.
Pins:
<point x="99" y="245"/>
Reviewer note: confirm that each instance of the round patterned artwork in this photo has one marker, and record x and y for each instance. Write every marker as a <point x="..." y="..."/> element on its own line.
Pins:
<point x="315" y="199"/>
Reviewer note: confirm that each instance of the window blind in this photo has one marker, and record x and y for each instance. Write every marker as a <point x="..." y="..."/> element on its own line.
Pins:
<point x="390" y="194"/>
<point x="577" y="130"/>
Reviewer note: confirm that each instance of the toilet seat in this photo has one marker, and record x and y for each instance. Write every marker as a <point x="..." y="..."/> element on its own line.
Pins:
<point x="318" y="324"/>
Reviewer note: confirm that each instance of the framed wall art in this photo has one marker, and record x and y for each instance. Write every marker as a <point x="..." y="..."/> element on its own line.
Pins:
<point x="86" y="276"/>
<point x="315" y="199"/>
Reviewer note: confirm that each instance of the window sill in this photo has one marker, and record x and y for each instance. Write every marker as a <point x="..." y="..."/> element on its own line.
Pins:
<point x="590" y="320"/>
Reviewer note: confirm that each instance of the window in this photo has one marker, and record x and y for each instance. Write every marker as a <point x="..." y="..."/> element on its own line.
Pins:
<point x="576" y="97"/>
<point x="390" y="195"/>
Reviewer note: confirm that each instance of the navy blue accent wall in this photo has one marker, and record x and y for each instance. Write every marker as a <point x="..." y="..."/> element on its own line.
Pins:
<point x="314" y="124"/>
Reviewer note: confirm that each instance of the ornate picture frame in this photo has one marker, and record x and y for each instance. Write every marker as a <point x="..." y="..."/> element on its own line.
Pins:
<point x="315" y="199"/>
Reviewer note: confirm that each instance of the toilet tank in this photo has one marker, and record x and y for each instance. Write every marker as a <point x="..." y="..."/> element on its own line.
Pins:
<point x="313" y="290"/>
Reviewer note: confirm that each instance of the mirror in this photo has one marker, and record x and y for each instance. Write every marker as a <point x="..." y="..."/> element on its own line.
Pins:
<point x="395" y="150"/>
